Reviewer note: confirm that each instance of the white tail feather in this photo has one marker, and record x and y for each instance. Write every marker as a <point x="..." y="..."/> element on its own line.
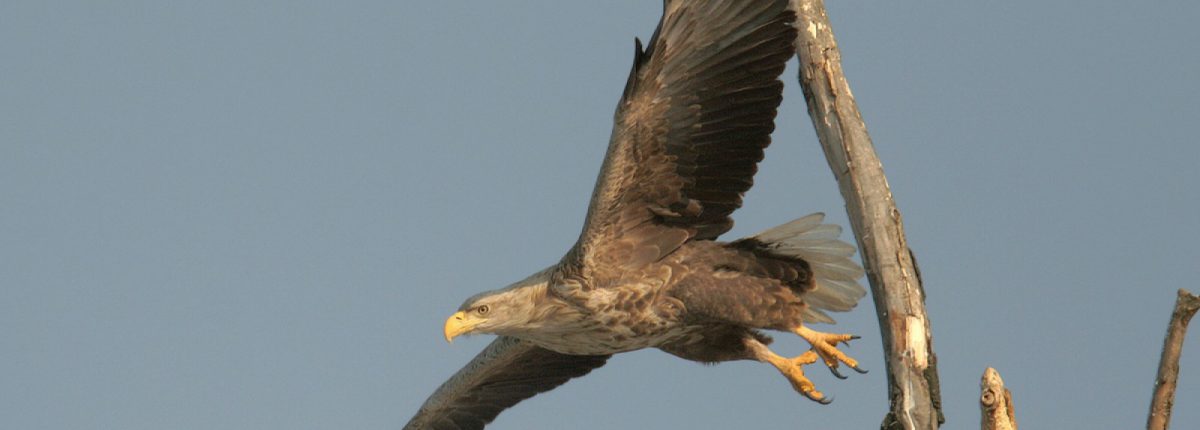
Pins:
<point x="836" y="275"/>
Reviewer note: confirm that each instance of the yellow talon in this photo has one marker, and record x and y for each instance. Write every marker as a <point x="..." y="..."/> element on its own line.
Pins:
<point x="793" y="370"/>
<point x="825" y="345"/>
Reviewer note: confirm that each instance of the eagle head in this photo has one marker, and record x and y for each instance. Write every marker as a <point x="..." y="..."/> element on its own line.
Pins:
<point x="509" y="311"/>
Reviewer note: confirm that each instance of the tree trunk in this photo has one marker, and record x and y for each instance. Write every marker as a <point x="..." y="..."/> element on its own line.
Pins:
<point x="891" y="269"/>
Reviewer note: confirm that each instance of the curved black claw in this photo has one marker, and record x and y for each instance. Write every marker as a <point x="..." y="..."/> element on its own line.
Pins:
<point x="852" y="337"/>
<point x="821" y="400"/>
<point x="835" y="372"/>
<point x="857" y="369"/>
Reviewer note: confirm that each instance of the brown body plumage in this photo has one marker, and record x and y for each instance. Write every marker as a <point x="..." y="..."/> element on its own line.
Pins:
<point x="697" y="112"/>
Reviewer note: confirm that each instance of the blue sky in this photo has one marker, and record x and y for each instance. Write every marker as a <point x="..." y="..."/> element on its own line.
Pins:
<point x="257" y="215"/>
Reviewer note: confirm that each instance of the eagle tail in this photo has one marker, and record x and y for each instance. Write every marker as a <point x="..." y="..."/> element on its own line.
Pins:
<point x="835" y="273"/>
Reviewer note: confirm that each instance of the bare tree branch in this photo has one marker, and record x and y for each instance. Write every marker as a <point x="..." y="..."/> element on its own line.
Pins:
<point x="995" y="403"/>
<point x="895" y="286"/>
<point x="1186" y="305"/>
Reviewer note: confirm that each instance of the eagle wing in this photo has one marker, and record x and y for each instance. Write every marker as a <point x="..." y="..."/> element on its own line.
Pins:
<point x="508" y="371"/>
<point x="696" y="113"/>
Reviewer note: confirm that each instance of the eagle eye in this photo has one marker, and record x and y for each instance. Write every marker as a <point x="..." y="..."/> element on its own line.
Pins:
<point x="482" y="310"/>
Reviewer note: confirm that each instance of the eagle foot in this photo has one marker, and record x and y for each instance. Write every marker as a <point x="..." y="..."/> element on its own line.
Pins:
<point x="793" y="370"/>
<point x="825" y="346"/>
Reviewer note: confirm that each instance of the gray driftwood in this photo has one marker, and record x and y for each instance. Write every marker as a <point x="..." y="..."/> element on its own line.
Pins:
<point x="895" y="283"/>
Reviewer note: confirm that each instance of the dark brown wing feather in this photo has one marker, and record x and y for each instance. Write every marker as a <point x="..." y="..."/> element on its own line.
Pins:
<point x="508" y="371"/>
<point x="697" y="111"/>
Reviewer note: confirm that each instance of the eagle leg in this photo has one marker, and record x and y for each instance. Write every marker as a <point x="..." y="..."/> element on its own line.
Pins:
<point x="791" y="368"/>
<point x="825" y="346"/>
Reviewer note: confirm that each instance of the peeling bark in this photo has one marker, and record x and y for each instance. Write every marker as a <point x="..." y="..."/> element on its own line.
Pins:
<point x="891" y="269"/>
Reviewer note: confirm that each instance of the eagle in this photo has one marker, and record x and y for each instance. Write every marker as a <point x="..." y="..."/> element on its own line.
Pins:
<point x="647" y="270"/>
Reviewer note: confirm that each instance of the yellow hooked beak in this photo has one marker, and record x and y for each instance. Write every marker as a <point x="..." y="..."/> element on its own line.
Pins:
<point x="457" y="324"/>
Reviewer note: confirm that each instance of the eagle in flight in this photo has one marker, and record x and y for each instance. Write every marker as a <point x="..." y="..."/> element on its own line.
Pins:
<point x="647" y="271"/>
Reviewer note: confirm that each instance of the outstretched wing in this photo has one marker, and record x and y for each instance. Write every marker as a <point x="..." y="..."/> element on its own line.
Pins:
<point x="508" y="371"/>
<point x="697" y="111"/>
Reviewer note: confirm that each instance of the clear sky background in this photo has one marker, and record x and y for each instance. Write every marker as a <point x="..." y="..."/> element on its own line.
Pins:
<point x="256" y="215"/>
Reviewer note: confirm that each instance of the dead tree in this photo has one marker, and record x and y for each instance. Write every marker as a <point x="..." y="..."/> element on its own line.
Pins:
<point x="995" y="403"/>
<point x="1186" y="306"/>
<point x="895" y="282"/>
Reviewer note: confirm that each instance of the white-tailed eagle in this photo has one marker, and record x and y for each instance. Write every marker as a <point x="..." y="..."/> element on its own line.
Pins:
<point x="647" y="271"/>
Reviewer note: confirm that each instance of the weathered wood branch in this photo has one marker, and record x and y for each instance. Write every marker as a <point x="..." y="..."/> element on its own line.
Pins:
<point x="995" y="403"/>
<point x="891" y="269"/>
<point x="1186" y="305"/>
